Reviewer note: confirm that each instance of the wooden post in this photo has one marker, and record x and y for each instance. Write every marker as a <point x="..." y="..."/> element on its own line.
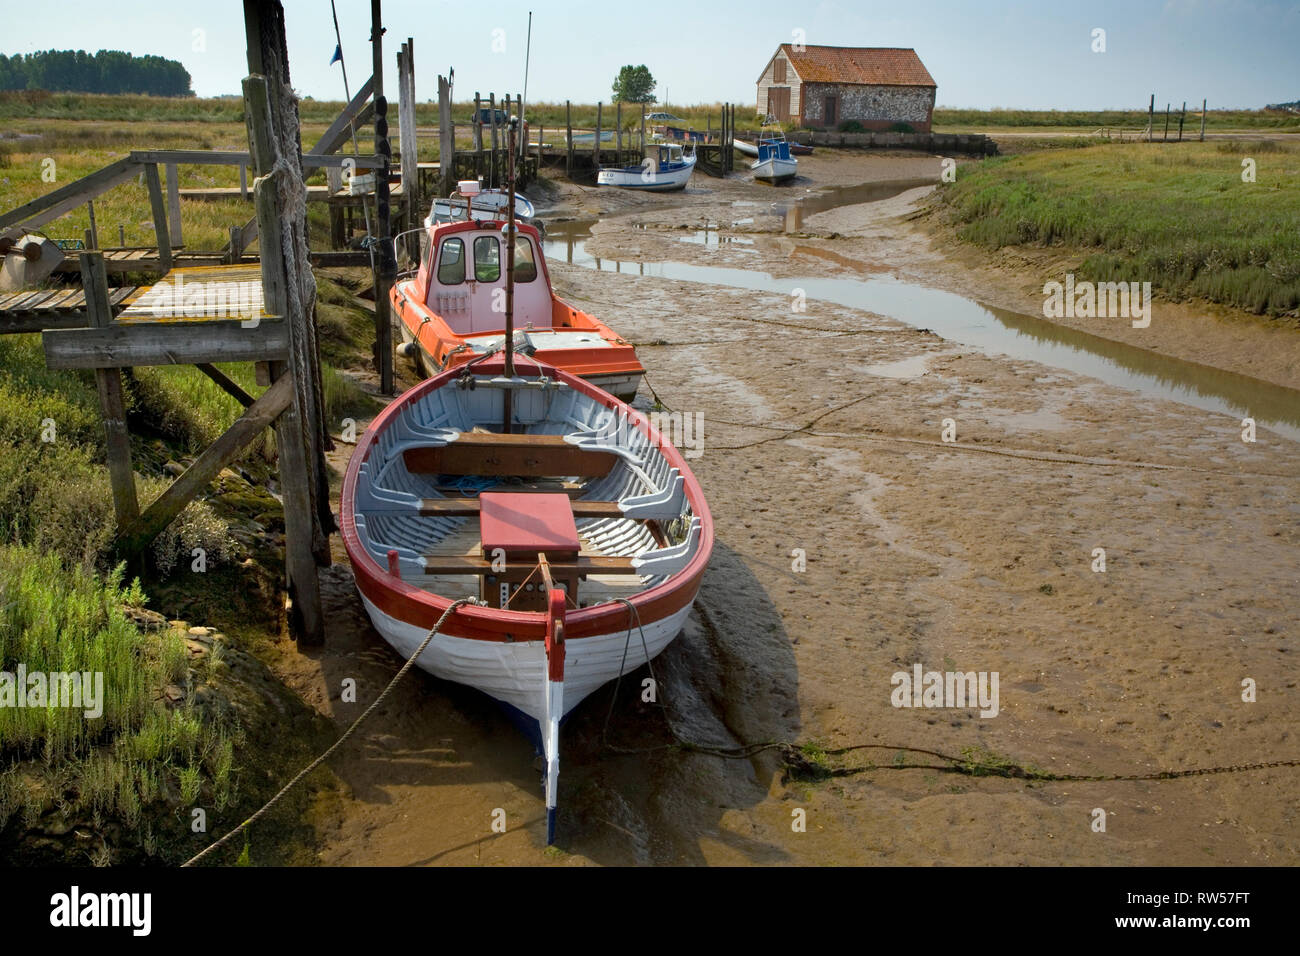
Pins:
<point x="121" y="236"/>
<point x="568" y="138"/>
<point x="492" y="157"/>
<point x="334" y="184"/>
<point x="541" y="133"/>
<point x="722" y="141"/>
<point x="92" y="234"/>
<point x="478" y="135"/>
<point x="159" y="208"/>
<point x="174" y="205"/>
<point x="243" y="181"/>
<point x="1151" y="118"/>
<point x="385" y="259"/>
<point x="289" y="290"/>
<point x="1165" y="138"/>
<point x="94" y="278"/>
<point x="595" y="156"/>
<point x="1182" y="116"/>
<point x="446" y="138"/>
<point x="618" y="125"/>
<point x="1203" y="121"/>
<point x="731" y="137"/>
<point x="642" y="147"/>
<point x="408" y="145"/>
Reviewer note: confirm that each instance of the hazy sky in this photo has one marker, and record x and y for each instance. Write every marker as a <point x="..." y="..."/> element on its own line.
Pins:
<point x="1011" y="53"/>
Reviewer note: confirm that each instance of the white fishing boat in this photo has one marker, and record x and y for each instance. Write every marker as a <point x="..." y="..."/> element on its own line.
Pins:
<point x="744" y="148"/>
<point x="666" y="167"/>
<point x="774" y="163"/>
<point x="487" y="205"/>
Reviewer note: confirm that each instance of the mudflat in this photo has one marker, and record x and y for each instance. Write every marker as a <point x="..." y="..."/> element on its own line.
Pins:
<point x="854" y="543"/>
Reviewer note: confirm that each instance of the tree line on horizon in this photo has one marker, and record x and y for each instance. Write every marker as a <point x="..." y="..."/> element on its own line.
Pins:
<point x="108" y="71"/>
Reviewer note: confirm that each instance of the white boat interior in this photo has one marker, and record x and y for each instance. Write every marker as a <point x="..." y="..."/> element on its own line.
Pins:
<point x="417" y="499"/>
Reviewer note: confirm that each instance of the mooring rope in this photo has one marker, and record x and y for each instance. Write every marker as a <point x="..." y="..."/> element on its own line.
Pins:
<point x="633" y="615"/>
<point x="410" y="662"/>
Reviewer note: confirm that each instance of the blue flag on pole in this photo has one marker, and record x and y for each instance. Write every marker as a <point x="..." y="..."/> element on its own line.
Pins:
<point x="338" y="55"/>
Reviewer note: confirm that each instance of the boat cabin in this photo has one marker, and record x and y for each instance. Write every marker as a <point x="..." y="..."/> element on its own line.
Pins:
<point x="462" y="277"/>
<point x="663" y="156"/>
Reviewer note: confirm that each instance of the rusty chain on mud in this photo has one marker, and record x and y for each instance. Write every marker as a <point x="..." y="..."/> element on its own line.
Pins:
<point x="302" y="774"/>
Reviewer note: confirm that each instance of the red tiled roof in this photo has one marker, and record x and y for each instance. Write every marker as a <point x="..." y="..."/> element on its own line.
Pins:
<point x="871" y="66"/>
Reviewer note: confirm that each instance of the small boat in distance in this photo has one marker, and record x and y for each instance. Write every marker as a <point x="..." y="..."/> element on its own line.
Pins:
<point x="749" y="149"/>
<point x="665" y="168"/>
<point x="452" y="309"/>
<point x="774" y="163"/>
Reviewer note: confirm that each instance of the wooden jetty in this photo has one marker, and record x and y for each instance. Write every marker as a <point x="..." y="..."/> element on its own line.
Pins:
<point x="236" y="308"/>
<point x="569" y="147"/>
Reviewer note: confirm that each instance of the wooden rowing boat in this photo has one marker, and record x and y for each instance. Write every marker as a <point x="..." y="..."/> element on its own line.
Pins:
<point x="588" y="535"/>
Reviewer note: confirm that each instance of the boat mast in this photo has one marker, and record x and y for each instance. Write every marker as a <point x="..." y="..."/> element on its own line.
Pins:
<point x="510" y="277"/>
<point x="523" y="102"/>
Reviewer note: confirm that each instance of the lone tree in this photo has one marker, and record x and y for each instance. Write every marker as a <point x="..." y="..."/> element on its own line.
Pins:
<point x="634" y="84"/>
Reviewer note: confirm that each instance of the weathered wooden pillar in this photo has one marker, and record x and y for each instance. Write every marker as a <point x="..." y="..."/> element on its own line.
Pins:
<point x="478" y="135"/>
<point x="446" y="138"/>
<point x="618" y="125"/>
<point x="158" y="207"/>
<point x="408" y="144"/>
<point x="117" y="440"/>
<point x="568" y="138"/>
<point x="385" y="255"/>
<point x="595" y="156"/>
<point x="493" y="175"/>
<point x="174" y="205"/>
<point x="289" y="289"/>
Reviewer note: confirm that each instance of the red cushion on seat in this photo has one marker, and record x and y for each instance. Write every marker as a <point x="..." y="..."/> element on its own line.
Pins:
<point x="527" y="523"/>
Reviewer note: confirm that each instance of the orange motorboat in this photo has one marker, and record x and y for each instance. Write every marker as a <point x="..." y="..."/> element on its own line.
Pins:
<point x="453" y="309"/>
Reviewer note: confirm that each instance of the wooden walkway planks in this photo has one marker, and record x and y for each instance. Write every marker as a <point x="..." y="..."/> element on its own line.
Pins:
<point x="54" y="308"/>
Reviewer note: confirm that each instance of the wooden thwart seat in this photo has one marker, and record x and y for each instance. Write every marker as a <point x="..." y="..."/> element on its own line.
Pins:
<point x="471" y="508"/>
<point x="490" y="455"/>
<point x="585" y="564"/>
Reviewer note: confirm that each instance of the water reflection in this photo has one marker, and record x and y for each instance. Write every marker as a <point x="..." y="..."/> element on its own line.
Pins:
<point x="984" y="327"/>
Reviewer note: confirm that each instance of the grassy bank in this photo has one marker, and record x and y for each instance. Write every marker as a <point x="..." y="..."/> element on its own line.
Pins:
<point x="1217" y="121"/>
<point x="165" y="743"/>
<point x="1178" y="216"/>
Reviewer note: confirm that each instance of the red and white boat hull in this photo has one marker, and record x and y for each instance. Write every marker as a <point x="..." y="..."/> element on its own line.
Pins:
<point x="515" y="673"/>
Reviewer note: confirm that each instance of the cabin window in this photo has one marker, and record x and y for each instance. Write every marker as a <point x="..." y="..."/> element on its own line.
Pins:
<point x="487" y="259"/>
<point x="525" y="264"/>
<point x="778" y="71"/>
<point x="451" y="264"/>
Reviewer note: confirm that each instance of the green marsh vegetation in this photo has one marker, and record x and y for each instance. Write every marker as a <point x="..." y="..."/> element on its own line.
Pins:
<point x="1177" y="215"/>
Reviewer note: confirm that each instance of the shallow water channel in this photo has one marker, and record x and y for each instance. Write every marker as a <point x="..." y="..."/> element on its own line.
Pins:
<point x="965" y="321"/>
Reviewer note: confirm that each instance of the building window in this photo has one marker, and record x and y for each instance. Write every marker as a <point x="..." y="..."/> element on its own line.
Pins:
<point x="778" y="71"/>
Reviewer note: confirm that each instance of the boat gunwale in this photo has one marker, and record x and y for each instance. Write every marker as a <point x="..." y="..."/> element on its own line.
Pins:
<point x="394" y="596"/>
